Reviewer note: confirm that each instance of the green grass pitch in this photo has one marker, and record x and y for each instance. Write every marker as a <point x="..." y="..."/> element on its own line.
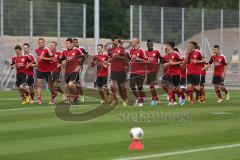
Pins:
<point x="36" y="133"/>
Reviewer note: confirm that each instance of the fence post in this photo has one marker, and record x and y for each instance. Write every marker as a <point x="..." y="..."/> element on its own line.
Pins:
<point x="140" y="23"/>
<point x="131" y="21"/>
<point x="31" y="25"/>
<point x="183" y="29"/>
<point x="96" y="24"/>
<point x="221" y="34"/>
<point x="162" y="29"/>
<point x="202" y="35"/>
<point x="59" y="23"/>
<point x="84" y="26"/>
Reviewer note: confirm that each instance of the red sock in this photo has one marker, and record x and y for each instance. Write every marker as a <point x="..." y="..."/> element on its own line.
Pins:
<point x="190" y="93"/>
<point x="101" y="93"/>
<point x="218" y="93"/>
<point x="170" y="95"/>
<point x="32" y="95"/>
<point x="224" y="90"/>
<point x="124" y="92"/>
<point x="153" y="92"/>
<point x="114" y="94"/>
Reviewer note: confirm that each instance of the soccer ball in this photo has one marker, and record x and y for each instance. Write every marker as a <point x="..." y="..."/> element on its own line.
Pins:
<point x="136" y="133"/>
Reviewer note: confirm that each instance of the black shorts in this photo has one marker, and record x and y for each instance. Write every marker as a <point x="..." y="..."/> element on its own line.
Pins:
<point x="193" y="79"/>
<point x="151" y="78"/>
<point x="21" y="79"/>
<point x="183" y="81"/>
<point x="166" y="79"/>
<point x="30" y="80"/>
<point x="136" y="80"/>
<point x="119" y="77"/>
<point x="73" y="77"/>
<point x="43" y="75"/>
<point x="218" y="80"/>
<point x="175" y="80"/>
<point x="203" y="79"/>
<point x="55" y="76"/>
<point x="101" y="81"/>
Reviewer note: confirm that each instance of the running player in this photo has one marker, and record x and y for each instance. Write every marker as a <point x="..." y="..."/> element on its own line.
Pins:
<point x="194" y="59"/>
<point x="138" y="70"/>
<point x="44" y="63"/>
<point x="30" y="73"/>
<point x="72" y="56"/>
<point x="174" y="69"/>
<point x="21" y="62"/>
<point x="166" y="77"/>
<point x="154" y="58"/>
<point x="101" y="60"/>
<point x="220" y="68"/>
<point x="118" y="70"/>
<point x="84" y="66"/>
<point x="55" y="76"/>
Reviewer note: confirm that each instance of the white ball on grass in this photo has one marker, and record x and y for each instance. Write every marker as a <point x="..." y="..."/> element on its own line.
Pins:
<point x="136" y="133"/>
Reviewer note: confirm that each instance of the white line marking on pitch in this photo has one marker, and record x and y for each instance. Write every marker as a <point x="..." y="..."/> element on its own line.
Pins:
<point x="181" y="152"/>
<point x="220" y="113"/>
<point x="18" y="109"/>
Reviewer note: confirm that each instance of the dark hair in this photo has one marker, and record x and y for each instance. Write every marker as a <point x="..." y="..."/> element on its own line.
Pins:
<point x="148" y="41"/>
<point x="54" y="42"/>
<point x="69" y="40"/>
<point x="41" y="39"/>
<point x="26" y="44"/>
<point x="18" y="47"/>
<point x="216" y="46"/>
<point x="75" y="39"/>
<point x="176" y="49"/>
<point x="171" y="44"/>
<point x="100" y="45"/>
<point x="195" y="45"/>
<point x="115" y="37"/>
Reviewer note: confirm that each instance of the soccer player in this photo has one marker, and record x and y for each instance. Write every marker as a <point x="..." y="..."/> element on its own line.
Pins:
<point x="84" y="67"/>
<point x="166" y="77"/>
<point x="194" y="60"/>
<point x="101" y="60"/>
<point x="220" y="68"/>
<point x="55" y="74"/>
<point x="21" y="62"/>
<point x="154" y="58"/>
<point x="30" y="73"/>
<point x="72" y="56"/>
<point x="138" y="70"/>
<point x="173" y="63"/>
<point x="44" y="63"/>
<point x="119" y="65"/>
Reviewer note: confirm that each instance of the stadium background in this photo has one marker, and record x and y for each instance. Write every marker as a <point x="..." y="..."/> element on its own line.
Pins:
<point x="25" y="21"/>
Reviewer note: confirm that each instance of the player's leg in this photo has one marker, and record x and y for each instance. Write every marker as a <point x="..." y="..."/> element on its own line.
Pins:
<point x="190" y="81"/>
<point x="113" y="87"/>
<point x="19" y="83"/>
<point x="181" y="96"/>
<point x="105" y="88"/>
<point x="224" y="89"/>
<point x="133" y="88"/>
<point x="121" y="79"/>
<point x="100" y="89"/>
<point x="216" y="81"/>
<point x="141" y="93"/>
<point x="40" y="78"/>
<point x="30" y="82"/>
<point x="151" y="81"/>
<point x="164" y="84"/>
<point x="52" y="87"/>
